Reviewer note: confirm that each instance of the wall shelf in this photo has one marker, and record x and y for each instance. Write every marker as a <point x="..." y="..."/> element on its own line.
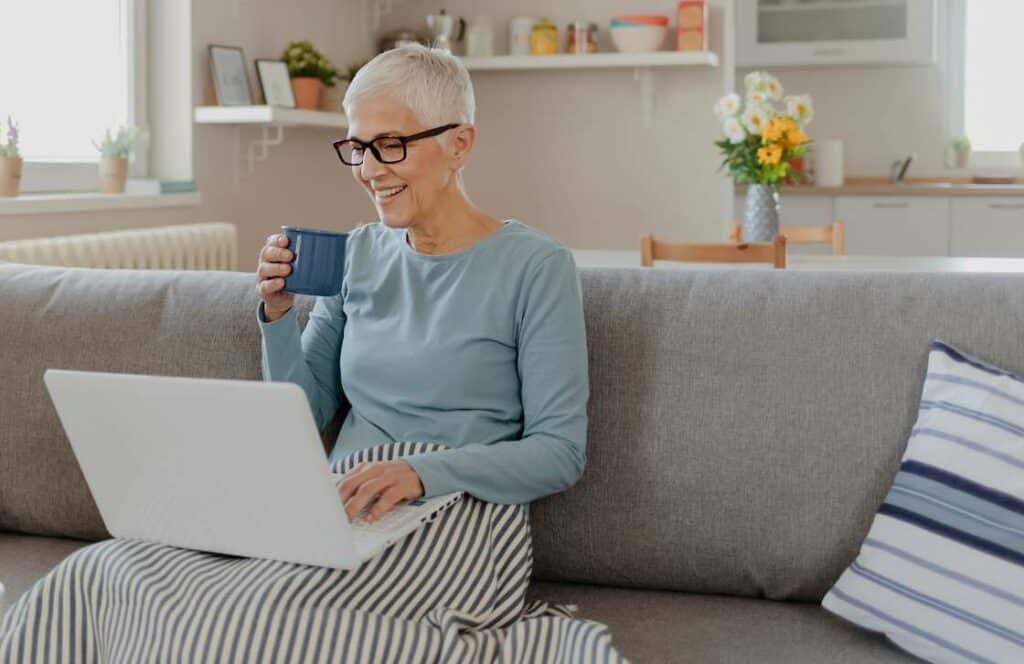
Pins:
<point x="285" y="117"/>
<point x="642" y="65"/>
<point x="271" y="120"/>
<point x="593" y="61"/>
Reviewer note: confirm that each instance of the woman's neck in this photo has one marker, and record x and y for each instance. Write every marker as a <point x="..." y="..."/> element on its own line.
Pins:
<point x="452" y="225"/>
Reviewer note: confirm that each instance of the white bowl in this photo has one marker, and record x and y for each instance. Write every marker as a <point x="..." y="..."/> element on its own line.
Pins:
<point x="638" y="38"/>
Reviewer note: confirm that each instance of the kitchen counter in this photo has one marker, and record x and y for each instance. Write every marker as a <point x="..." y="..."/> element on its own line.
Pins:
<point x="868" y="186"/>
<point x="812" y="263"/>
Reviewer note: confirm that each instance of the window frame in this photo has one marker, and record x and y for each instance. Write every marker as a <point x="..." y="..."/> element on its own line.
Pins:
<point x="40" y="176"/>
<point x="955" y="72"/>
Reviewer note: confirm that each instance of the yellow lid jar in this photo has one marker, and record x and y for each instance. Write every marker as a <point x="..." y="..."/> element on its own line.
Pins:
<point x="544" y="38"/>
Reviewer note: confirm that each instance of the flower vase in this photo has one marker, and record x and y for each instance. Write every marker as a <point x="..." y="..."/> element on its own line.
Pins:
<point x="307" y="92"/>
<point x="761" y="213"/>
<point x="10" y="176"/>
<point x="113" y="174"/>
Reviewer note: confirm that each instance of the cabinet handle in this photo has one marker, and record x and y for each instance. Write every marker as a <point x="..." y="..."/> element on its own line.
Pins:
<point x="890" y="205"/>
<point x="1006" y="206"/>
<point x="829" y="51"/>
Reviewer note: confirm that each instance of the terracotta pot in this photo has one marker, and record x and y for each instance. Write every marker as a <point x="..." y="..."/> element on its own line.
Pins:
<point x="10" y="176"/>
<point x="113" y="175"/>
<point x="330" y="97"/>
<point x="307" y="92"/>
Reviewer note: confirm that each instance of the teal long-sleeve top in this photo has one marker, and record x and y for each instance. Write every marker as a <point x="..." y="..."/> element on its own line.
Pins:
<point x="483" y="350"/>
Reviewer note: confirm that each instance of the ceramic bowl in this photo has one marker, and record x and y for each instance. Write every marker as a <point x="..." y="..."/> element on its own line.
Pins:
<point x="638" y="38"/>
<point x="640" y="19"/>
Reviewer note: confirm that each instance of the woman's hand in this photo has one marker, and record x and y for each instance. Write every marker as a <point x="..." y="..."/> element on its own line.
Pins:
<point x="390" y="482"/>
<point x="273" y="267"/>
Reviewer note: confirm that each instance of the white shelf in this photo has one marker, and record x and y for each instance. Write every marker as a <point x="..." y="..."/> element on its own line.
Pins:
<point x="268" y="115"/>
<point x="593" y="61"/>
<point x="88" y="201"/>
<point x="810" y="6"/>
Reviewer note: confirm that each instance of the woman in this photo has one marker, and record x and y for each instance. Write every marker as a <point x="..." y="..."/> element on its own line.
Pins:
<point x="452" y="326"/>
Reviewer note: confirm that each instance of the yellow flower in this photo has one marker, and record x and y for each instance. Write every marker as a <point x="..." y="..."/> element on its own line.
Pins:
<point x="769" y="154"/>
<point x="773" y="131"/>
<point x="796" y="137"/>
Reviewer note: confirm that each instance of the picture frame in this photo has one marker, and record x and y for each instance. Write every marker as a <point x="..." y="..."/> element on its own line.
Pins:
<point x="230" y="80"/>
<point x="275" y="83"/>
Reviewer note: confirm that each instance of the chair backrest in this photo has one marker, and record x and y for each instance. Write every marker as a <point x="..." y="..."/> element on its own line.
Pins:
<point x="834" y="234"/>
<point x="773" y="252"/>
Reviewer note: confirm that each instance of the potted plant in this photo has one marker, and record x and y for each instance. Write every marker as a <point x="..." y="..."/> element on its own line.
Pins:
<point x="10" y="162"/>
<point x="308" y="68"/>
<point x="115" y="151"/>
<point x="332" y="91"/>
<point x="760" y="145"/>
<point x="959" y="151"/>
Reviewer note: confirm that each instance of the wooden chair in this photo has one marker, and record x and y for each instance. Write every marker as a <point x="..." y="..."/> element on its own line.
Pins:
<point x="834" y="235"/>
<point x="773" y="252"/>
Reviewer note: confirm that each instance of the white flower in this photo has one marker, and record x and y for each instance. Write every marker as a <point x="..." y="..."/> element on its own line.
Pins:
<point x="728" y="106"/>
<point x="800" y="108"/>
<point x="733" y="130"/>
<point x="753" y="81"/>
<point x="755" y="118"/>
<point x="757" y="97"/>
<point x="772" y="87"/>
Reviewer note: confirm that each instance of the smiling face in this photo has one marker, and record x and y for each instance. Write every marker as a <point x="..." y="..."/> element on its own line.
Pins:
<point x="410" y="189"/>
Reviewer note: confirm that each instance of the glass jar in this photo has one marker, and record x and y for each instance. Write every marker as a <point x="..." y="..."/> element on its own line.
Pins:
<point x="544" y="38"/>
<point x="581" y="37"/>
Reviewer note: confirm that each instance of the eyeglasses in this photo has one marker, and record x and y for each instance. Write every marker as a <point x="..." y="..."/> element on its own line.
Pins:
<point x="386" y="149"/>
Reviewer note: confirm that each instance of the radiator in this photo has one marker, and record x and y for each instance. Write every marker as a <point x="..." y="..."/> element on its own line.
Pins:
<point x="207" y="246"/>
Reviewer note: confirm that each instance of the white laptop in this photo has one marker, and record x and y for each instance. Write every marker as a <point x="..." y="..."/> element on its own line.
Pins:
<point x="228" y="466"/>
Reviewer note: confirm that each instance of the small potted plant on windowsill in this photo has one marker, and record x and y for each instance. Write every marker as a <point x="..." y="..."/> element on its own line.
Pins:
<point x="959" y="154"/>
<point x="115" y="152"/>
<point x="10" y="162"/>
<point x="309" y="69"/>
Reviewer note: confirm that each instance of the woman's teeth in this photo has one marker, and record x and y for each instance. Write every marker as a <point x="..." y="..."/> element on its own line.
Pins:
<point x="389" y="192"/>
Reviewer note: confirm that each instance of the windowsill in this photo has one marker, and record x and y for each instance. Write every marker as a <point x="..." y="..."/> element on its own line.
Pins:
<point x="88" y="201"/>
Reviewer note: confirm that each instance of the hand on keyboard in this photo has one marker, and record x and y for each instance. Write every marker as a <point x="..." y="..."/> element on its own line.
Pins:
<point x="374" y="489"/>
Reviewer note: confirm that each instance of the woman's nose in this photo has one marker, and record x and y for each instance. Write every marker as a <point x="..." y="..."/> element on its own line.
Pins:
<point x="370" y="167"/>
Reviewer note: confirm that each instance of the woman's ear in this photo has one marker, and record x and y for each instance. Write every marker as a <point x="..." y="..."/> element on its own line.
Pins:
<point x="462" y="142"/>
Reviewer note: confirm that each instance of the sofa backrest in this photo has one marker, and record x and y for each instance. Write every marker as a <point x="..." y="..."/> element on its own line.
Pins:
<point x="744" y="425"/>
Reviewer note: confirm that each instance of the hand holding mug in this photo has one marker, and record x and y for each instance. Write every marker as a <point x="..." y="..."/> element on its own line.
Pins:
<point x="273" y="268"/>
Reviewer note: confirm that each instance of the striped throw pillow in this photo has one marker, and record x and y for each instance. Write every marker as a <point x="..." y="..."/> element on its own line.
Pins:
<point x="941" y="572"/>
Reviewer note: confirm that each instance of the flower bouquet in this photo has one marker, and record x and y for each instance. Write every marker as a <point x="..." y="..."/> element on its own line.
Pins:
<point x="761" y="144"/>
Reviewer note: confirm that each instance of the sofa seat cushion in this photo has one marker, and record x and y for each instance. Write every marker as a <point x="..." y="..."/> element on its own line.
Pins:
<point x="662" y="626"/>
<point x="24" y="559"/>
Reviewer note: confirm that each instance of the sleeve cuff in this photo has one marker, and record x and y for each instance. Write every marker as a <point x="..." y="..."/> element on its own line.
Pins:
<point x="266" y="325"/>
<point x="430" y="468"/>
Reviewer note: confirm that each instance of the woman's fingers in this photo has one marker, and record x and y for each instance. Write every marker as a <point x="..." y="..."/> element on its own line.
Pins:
<point x="267" y="270"/>
<point x="366" y="493"/>
<point x="391" y="496"/>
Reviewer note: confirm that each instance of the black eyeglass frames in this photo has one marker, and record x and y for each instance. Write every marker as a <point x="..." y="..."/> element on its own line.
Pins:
<point x="386" y="149"/>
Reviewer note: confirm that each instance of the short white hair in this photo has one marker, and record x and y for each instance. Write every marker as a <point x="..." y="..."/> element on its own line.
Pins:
<point x="432" y="82"/>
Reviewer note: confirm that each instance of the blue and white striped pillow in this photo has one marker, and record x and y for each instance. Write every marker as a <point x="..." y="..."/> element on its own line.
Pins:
<point x="941" y="572"/>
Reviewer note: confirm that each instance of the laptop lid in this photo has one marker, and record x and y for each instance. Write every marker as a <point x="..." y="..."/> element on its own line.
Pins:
<point x="229" y="466"/>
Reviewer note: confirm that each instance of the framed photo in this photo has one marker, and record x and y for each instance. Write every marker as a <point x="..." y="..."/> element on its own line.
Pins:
<point x="275" y="84"/>
<point x="231" y="83"/>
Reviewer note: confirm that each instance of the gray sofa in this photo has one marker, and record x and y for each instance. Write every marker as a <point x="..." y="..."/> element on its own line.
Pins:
<point x="744" y="426"/>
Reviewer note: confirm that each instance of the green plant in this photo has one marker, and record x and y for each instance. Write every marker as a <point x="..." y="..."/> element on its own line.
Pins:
<point x="960" y="143"/>
<point x="10" y="149"/>
<point x="119" y="144"/>
<point x="305" y="60"/>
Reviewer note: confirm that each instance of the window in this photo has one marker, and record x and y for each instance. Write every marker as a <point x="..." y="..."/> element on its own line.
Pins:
<point x="72" y="69"/>
<point x="985" y="101"/>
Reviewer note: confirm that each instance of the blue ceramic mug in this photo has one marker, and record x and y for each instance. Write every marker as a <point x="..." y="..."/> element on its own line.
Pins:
<point x="318" y="261"/>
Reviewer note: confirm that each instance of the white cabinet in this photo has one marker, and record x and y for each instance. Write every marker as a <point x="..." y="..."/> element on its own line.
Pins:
<point x="987" y="227"/>
<point x="835" y="32"/>
<point x="895" y="225"/>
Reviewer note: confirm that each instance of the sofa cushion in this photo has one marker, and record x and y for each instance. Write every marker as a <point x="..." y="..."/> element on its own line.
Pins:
<point x="24" y="559"/>
<point x="173" y="323"/>
<point x="942" y="569"/>
<point x="745" y="425"/>
<point x="660" y="626"/>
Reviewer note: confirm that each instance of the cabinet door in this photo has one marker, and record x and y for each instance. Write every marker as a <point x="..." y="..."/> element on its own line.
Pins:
<point x="799" y="210"/>
<point x="826" y="32"/>
<point x="895" y="225"/>
<point x="987" y="227"/>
